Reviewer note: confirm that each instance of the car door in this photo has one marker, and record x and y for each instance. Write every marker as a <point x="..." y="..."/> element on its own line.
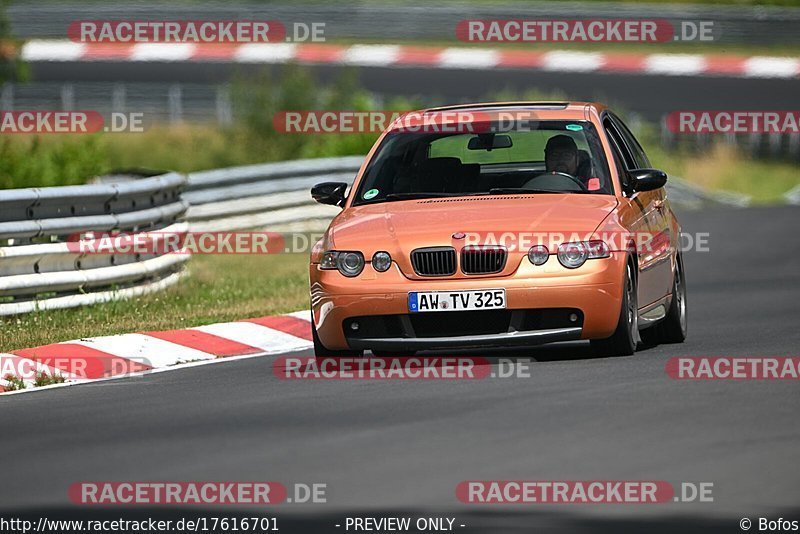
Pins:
<point x="637" y="214"/>
<point x="659" y="251"/>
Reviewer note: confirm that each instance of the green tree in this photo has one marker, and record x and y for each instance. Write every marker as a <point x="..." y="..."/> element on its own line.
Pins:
<point x="11" y="66"/>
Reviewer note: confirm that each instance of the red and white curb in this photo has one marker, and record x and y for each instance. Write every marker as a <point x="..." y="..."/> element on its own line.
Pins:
<point x="108" y="357"/>
<point x="418" y="56"/>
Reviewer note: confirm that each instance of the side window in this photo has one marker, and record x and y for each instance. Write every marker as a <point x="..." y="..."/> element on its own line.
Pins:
<point x="633" y="145"/>
<point x="622" y="158"/>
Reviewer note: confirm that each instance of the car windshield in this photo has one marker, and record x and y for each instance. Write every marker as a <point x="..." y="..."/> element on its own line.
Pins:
<point x="563" y="157"/>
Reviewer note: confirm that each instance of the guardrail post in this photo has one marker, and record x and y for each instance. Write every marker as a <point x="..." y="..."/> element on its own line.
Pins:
<point x="67" y="97"/>
<point x="754" y="144"/>
<point x="794" y="146"/>
<point x="118" y="97"/>
<point x="7" y="97"/>
<point x="175" y="103"/>
<point x="668" y="139"/>
<point x="775" y="142"/>
<point x="224" y="109"/>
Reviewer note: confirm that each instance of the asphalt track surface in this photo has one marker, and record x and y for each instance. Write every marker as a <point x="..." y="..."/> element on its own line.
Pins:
<point x="400" y="447"/>
<point x="649" y="95"/>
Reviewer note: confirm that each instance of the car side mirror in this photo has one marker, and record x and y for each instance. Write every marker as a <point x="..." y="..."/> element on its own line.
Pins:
<point x="329" y="193"/>
<point x="647" y="179"/>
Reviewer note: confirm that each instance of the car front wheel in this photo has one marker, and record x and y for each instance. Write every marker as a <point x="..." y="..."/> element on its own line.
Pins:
<point x="623" y="341"/>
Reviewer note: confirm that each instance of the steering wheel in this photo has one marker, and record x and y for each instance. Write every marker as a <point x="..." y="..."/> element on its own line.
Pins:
<point x="573" y="179"/>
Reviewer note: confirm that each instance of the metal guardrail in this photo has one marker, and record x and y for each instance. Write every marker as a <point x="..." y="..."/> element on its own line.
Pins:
<point x="757" y="145"/>
<point x="793" y="196"/>
<point x="51" y="274"/>
<point x="268" y="194"/>
<point x="41" y="269"/>
<point x="688" y="195"/>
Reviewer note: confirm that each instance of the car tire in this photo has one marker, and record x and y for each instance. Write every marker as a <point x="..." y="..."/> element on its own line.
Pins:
<point x="673" y="327"/>
<point x="320" y="351"/>
<point x="624" y="339"/>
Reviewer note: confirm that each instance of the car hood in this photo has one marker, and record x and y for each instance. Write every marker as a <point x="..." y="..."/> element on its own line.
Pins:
<point x="402" y="226"/>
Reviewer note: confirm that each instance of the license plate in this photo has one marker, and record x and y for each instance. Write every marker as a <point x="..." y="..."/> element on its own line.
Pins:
<point x="475" y="299"/>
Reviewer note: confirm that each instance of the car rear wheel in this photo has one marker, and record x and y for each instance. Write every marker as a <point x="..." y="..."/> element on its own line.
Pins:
<point x="623" y="341"/>
<point x="320" y="351"/>
<point x="673" y="328"/>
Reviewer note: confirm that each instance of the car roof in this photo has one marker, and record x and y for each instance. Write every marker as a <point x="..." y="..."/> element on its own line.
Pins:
<point x="555" y="109"/>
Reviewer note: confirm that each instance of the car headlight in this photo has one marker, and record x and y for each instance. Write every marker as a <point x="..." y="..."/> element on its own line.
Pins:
<point x="349" y="263"/>
<point x="573" y="255"/>
<point x="381" y="261"/>
<point x="538" y="254"/>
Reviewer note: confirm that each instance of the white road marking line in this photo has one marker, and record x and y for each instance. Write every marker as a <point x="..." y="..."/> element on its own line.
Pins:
<point x="771" y="67"/>
<point x="255" y="335"/>
<point x="468" y="58"/>
<point x="145" y="349"/>
<point x="573" y="61"/>
<point x="162" y="51"/>
<point x="265" y="53"/>
<point x="302" y="314"/>
<point x="371" y="55"/>
<point x="675" y="64"/>
<point x="52" y="50"/>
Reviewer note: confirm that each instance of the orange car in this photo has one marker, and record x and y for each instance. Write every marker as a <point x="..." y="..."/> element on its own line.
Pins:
<point x="499" y="225"/>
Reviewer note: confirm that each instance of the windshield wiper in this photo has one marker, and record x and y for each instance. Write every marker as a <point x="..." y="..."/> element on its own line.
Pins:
<point x="419" y="194"/>
<point x="522" y="190"/>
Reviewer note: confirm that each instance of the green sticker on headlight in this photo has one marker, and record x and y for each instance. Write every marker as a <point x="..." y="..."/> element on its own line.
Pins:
<point x="372" y="193"/>
<point x="574" y="127"/>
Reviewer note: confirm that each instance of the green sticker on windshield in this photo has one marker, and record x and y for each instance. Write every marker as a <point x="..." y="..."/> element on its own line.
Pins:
<point x="372" y="193"/>
<point x="574" y="127"/>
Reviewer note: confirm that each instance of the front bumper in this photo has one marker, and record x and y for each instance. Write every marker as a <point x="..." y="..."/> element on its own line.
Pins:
<point x="508" y="339"/>
<point x="594" y="290"/>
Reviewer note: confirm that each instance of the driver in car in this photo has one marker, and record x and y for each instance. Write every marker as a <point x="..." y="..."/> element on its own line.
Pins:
<point x="561" y="155"/>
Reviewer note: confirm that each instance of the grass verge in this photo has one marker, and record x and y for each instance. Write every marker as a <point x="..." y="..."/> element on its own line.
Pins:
<point x="723" y="168"/>
<point x="220" y="289"/>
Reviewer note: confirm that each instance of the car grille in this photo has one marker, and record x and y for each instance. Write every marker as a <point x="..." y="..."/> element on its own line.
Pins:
<point x="438" y="261"/>
<point x="483" y="259"/>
